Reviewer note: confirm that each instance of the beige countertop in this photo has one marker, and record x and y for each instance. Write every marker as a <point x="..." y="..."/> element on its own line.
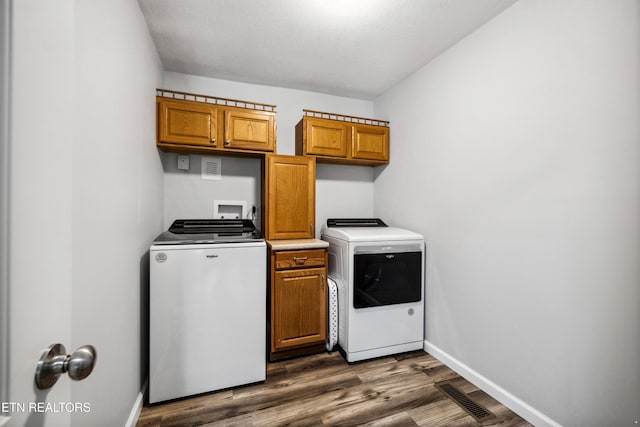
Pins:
<point x="284" y="245"/>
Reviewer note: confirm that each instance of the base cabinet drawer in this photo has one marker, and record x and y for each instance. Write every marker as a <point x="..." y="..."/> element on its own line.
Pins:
<point x="299" y="259"/>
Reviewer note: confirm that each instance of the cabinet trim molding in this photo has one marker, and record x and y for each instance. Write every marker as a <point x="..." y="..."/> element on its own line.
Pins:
<point x="227" y="102"/>
<point x="345" y="118"/>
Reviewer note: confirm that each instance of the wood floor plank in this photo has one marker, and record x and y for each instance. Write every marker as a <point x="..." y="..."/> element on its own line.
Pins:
<point x="391" y="367"/>
<point x="260" y="397"/>
<point x="438" y="372"/>
<point x="244" y="420"/>
<point x="149" y="421"/>
<point x="325" y="390"/>
<point x="373" y="401"/>
<point x="443" y="412"/>
<point x="401" y="419"/>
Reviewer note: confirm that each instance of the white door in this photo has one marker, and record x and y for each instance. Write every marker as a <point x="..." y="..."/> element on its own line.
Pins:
<point x="37" y="238"/>
<point x="84" y="202"/>
<point x="4" y="205"/>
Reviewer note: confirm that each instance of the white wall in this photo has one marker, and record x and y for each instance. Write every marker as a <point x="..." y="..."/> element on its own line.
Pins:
<point x="187" y="195"/>
<point x="340" y="190"/>
<point x="117" y="200"/>
<point x="86" y="200"/>
<point x="343" y="192"/>
<point x="521" y="148"/>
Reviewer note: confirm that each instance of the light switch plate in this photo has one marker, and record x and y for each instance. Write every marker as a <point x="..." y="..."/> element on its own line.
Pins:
<point x="183" y="162"/>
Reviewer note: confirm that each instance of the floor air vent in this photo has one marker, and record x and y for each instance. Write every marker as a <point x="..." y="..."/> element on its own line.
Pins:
<point x="477" y="411"/>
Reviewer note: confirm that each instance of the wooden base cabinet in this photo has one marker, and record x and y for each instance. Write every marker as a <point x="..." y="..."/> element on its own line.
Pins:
<point x="298" y="302"/>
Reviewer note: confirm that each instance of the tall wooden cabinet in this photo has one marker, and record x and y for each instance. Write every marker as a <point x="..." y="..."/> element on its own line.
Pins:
<point x="297" y="261"/>
<point x="290" y="197"/>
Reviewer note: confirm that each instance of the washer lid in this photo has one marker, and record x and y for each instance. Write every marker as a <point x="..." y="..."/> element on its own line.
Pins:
<point x="200" y="231"/>
<point x="355" y="222"/>
<point x="369" y="234"/>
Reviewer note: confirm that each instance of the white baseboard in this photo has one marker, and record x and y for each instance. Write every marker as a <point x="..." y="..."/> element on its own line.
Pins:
<point x="137" y="407"/>
<point x="521" y="408"/>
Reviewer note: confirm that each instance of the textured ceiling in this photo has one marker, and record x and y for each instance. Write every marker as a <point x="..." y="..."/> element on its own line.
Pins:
<point x="354" y="48"/>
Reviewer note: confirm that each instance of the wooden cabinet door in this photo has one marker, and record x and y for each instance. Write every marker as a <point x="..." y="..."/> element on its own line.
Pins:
<point x="299" y="308"/>
<point x="370" y="142"/>
<point x="249" y="130"/>
<point x="290" y="197"/>
<point x="326" y="137"/>
<point x="185" y="122"/>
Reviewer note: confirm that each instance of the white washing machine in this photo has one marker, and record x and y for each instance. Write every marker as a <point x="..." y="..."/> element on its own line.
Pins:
<point x="207" y="308"/>
<point x="379" y="271"/>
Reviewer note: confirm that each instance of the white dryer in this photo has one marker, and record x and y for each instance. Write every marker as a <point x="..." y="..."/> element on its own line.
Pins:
<point x="380" y="275"/>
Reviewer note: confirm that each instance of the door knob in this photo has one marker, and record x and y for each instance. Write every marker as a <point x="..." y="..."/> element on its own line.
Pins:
<point x="55" y="362"/>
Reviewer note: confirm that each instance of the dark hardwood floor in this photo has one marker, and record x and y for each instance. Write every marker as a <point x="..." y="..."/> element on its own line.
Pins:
<point x="325" y="390"/>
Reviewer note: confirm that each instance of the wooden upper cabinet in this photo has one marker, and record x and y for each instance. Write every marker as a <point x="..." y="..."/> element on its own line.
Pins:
<point x="325" y="137"/>
<point x="247" y="129"/>
<point x="186" y="122"/>
<point x="370" y="142"/>
<point x="290" y="193"/>
<point x="334" y="138"/>
<point x="199" y="124"/>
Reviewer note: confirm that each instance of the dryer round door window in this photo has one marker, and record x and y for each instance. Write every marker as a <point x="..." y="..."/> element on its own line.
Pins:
<point x="387" y="278"/>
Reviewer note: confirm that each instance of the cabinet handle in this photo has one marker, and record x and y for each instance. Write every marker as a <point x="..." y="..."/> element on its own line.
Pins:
<point x="323" y="280"/>
<point x="299" y="259"/>
<point x="213" y="140"/>
<point x="227" y="142"/>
